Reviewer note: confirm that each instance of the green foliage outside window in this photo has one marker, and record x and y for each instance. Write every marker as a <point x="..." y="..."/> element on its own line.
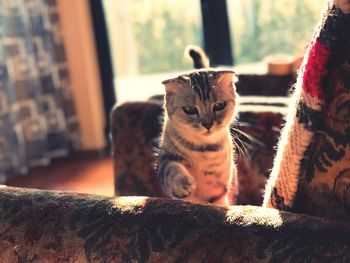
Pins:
<point x="265" y="27"/>
<point x="161" y="29"/>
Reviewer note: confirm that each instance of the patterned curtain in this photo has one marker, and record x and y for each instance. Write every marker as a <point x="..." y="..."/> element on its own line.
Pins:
<point x="37" y="116"/>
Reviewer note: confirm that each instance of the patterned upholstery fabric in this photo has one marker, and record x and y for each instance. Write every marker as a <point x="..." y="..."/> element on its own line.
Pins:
<point x="47" y="226"/>
<point x="135" y="134"/>
<point x="37" y="115"/>
<point x="311" y="173"/>
<point x="263" y="124"/>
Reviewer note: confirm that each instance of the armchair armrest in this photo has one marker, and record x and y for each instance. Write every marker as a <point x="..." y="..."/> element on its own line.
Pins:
<point x="135" y="133"/>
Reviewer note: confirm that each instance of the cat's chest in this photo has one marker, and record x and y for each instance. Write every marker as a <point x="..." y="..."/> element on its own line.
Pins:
<point x="207" y="156"/>
<point x="202" y="162"/>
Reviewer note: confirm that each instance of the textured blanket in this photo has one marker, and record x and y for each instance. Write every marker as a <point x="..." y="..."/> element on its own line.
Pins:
<point x="311" y="172"/>
<point x="47" y="226"/>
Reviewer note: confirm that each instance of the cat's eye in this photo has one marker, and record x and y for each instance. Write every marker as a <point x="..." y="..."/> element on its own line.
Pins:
<point x="190" y="110"/>
<point x="219" y="106"/>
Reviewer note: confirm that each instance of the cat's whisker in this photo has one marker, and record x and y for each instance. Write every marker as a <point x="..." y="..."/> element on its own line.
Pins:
<point x="241" y="123"/>
<point x="249" y="137"/>
<point x="245" y="145"/>
<point x="242" y="150"/>
<point x="237" y="124"/>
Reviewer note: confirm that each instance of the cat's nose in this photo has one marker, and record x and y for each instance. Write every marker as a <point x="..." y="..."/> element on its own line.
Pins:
<point x="207" y="124"/>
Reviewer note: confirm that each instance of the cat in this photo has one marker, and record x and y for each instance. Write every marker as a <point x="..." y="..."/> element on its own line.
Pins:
<point x="196" y="157"/>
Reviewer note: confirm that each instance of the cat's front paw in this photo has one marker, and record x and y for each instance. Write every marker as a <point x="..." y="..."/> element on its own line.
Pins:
<point x="182" y="186"/>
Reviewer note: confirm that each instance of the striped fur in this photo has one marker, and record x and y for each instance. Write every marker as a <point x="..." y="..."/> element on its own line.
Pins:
<point x="196" y="157"/>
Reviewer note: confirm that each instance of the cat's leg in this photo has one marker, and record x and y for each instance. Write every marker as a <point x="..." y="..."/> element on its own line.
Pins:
<point x="175" y="180"/>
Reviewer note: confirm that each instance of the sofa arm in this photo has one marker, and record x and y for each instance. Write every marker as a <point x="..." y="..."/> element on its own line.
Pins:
<point x="135" y="130"/>
<point x="48" y="226"/>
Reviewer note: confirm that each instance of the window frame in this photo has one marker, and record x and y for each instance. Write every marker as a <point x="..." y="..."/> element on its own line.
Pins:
<point x="216" y="40"/>
<point x="105" y="65"/>
<point x="216" y="32"/>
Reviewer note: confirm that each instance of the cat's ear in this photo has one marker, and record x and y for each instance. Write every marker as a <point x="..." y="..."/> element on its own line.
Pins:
<point x="225" y="80"/>
<point x="172" y="86"/>
<point x="225" y="77"/>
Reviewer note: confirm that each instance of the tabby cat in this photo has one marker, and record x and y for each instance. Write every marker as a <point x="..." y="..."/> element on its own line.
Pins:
<point x="196" y="156"/>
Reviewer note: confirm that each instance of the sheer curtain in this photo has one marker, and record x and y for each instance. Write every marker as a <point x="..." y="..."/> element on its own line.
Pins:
<point x="37" y="116"/>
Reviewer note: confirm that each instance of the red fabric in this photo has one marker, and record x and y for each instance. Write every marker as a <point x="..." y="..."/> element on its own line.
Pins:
<point x="315" y="69"/>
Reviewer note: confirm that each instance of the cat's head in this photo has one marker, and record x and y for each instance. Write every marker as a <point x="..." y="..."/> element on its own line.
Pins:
<point x="201" y="102"/>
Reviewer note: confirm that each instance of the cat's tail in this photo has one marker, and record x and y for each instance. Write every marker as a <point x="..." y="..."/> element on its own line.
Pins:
<point x="200" y="59"/>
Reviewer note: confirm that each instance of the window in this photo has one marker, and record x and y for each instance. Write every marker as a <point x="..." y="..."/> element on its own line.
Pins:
<point x="264" y="27"/>
<point x="148" y="38"/>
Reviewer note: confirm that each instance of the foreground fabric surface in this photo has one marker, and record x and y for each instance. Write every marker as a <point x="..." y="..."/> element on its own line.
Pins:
<point x="47" y="226"/>
<point x="311" y="172"/>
